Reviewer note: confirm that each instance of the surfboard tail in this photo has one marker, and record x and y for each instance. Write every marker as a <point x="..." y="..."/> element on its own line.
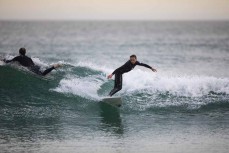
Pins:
<point x="114" y="101"/>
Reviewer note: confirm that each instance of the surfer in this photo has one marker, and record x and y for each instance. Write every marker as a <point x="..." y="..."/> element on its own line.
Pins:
<point x="28" y="62"/>
<point x="128" y="66"/>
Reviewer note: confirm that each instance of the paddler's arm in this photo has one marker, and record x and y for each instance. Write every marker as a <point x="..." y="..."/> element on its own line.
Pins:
<point x="12" y="60"/>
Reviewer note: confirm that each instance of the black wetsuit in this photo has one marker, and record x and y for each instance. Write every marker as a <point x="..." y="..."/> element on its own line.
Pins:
<point x="28" y="62"/>
<point x="128" y="66"/>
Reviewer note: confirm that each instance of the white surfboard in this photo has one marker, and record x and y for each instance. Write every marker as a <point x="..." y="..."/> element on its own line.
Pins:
<point x="114" y="101"/>
<point x="2" y="63"/>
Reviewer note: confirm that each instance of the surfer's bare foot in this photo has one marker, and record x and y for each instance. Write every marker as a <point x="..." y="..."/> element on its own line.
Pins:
<point x="57" y="65"/>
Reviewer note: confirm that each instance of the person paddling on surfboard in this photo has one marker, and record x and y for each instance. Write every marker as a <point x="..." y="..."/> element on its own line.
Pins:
<point x="28" y="62"/>
<point x="128" y="66"/>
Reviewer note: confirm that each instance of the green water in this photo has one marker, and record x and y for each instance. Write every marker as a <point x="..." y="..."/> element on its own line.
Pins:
<point x="182" y="108"/>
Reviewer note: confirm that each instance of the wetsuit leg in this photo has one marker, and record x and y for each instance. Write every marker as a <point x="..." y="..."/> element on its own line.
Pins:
<point x="117" y="85"/>
<point x="36" y="69"/>
<point x="48" y="71"/>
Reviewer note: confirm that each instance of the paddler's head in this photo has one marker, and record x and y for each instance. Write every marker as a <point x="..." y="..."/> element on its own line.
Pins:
<point x="133" y="59"/>
<point x="22" y="51"/>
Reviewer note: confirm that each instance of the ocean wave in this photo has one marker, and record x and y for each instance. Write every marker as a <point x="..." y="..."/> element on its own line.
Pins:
<point x="142" y="89"/>
<point x="148" y="82"/>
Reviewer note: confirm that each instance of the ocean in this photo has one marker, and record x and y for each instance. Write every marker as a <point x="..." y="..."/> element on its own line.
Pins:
<point x="183" y="108"/>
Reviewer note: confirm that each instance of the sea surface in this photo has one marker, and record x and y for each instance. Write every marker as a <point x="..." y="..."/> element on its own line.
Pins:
<point x="183" y="108"/>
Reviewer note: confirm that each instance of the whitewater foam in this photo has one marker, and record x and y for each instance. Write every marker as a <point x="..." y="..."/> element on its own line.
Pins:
<point x="146" y="82"/>
<point x="188" y="86"/>
<point x="82" y="86"/>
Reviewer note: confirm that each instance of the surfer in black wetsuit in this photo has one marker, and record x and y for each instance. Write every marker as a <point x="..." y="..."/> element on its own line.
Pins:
<point x="128" y="66"/>
<point x="28" y="62"/>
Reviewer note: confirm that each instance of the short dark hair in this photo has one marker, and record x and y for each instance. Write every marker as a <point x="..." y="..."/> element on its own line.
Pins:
<point x="133" y="56"/>
<point x="22" y="51"/>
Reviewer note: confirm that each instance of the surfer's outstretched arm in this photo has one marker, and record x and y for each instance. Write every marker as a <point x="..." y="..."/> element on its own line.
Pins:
<point x="147" y="66"/>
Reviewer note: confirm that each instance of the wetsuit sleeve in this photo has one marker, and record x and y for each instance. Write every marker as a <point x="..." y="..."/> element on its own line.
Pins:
<point x="13" y="60"/>
<point x="120" y="68"/>
<point x="143" y="64"/>
<point x="117" y="70"/>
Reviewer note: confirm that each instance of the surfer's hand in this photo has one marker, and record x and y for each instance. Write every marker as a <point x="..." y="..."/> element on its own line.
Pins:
<point x="154" y="70"/>
<point x="109" y="76"/>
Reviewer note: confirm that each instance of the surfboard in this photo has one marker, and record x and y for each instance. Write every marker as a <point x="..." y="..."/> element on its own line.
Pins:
<point x="2" y="63"/>
<point x="114" y="101"/>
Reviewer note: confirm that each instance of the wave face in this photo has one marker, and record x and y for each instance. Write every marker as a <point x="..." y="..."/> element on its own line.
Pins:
<point x="142" y="90"/>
